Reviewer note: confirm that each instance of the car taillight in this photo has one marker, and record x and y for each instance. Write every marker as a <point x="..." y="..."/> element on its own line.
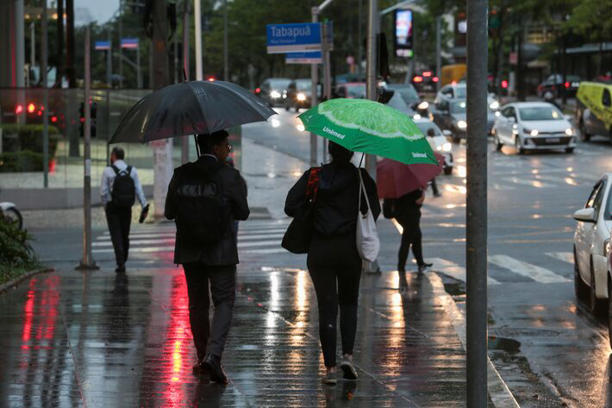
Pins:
<point x="257" y="90"/>
<point x="435" y="79"/>
<point x="31" y="107"/>
<point x="567" y="84"/>
<point x="427" y="74"/>
<point x="418" y="78"/>
<point x="18" y="109"/>
<point x="504" y="84"/>
<point x="53" y="119"/>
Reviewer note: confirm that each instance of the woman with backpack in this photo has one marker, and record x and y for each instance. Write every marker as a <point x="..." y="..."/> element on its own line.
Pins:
<point x="333" y="261"/>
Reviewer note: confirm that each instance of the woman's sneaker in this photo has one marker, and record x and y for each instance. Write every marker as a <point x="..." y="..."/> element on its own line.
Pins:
<point x="330" y="378"/>
<point x="424" y="267"/>
<point x="348" y="370"/>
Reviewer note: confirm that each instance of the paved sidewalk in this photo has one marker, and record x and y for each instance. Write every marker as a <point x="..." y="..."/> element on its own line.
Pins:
<point x="99" y="339"/>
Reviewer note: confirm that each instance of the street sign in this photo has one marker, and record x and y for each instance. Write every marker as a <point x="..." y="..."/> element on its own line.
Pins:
<point x="313" y="57"/>
<point x="103" y="45"/>
<point x="130" y="43"/>
<point x="297" y="37"/>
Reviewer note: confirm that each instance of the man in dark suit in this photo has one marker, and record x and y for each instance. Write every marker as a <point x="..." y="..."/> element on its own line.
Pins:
<point x="208" y="262"/>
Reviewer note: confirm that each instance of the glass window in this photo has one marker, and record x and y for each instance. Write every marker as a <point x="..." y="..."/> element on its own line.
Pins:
<point x="460" y="92"/>
<point x="458" y="106"/>
<point x="540" y="113"/>
<point x="591" y="201"/>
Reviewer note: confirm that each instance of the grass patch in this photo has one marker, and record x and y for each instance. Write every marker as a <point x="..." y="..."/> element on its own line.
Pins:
<point x="8" y="273"/>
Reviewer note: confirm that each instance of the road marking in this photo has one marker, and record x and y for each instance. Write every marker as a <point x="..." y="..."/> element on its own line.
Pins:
<point x="534" y="272"/>
<point x="562" y="256"/>
<point x="166" y="248"/>
<point x="453" y="270"/>
<point x="136" y="242"/>
<point x="258" y="244"/>
<point x="264" y="251"/>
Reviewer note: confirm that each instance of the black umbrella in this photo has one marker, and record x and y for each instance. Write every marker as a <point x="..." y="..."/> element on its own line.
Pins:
<point x="190" y="108"/>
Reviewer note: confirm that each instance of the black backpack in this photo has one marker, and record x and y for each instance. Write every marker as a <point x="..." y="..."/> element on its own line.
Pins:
<point x="203" y="215"/>
<point x="124" y="190"/>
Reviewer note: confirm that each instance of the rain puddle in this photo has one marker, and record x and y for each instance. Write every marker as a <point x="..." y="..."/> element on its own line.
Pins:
<point x="504" y="344"/>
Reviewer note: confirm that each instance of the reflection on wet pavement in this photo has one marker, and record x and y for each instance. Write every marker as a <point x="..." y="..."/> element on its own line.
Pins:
<point x="101" y="339"/>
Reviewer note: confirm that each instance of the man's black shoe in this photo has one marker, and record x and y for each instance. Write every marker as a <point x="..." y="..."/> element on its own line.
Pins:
<point x="120" y="269"/>
<point x="212" y="364"/>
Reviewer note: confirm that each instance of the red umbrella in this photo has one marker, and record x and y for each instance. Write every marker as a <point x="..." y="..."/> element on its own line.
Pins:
<point x="394" y="179"/>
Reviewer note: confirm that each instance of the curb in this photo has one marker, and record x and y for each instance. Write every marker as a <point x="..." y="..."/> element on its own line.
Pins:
<point x="6" y="286"/>
<point x="498" y="390"/>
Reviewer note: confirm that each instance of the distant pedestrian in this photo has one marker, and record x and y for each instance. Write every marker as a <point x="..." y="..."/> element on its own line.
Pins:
<point x="434" y="186"/>
<point x="205" y="198"/>
<point x="119" y="188"/>
<point x="408" y="214"/>
<point x="333" y="261"/>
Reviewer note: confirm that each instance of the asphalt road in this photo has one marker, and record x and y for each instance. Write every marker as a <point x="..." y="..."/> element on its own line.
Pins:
<point x="547" y="347"/>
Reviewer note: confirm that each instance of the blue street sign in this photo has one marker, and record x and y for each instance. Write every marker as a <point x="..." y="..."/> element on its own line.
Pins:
<point x="298" y="37"/>
<point x="103" y="45"/>
<point x="313" y="57"/>
<point x="130" y="43"/>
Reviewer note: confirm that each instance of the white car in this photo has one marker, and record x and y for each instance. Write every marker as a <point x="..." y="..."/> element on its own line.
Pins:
<point x="592" y="247"/>
<point x="533" y="126"/>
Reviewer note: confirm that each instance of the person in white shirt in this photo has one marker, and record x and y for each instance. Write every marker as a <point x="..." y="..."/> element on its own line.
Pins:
<point x="119" y="188"/>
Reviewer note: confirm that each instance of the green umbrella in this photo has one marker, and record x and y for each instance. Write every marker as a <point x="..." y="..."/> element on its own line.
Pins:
<point x="370" y="127"/>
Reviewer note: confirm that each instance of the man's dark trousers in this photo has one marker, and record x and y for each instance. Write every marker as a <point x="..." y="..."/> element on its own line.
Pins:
<point x="223" y="289"/>
<point x="119" y="219"/>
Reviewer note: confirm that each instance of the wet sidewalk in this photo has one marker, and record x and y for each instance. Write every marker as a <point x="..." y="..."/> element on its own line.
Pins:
<point x="100" y="339"/>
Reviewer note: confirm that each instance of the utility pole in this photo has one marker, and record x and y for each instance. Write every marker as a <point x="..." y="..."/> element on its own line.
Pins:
<point x="185" y="139"/>
<point x="438" y="51"/>
<point x="314" y="98"/>
<point x="70" y="63"/>
<point x="43" y="72"/>
<point x="162" y="149"/>
<point x="325" y="48"/>
<point x="197" y="19"/>
<point x="109" y="61"/>
<point x="225" y="44"/>
<point x="87" y="262"/>
<point x="371" y="69"/>
<point x="476" y="204"/>
<point x="32" y="44"/>
<point x="120" y="46"/>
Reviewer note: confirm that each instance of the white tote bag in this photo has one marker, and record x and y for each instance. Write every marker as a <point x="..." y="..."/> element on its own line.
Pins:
<point x="368" y="244"/>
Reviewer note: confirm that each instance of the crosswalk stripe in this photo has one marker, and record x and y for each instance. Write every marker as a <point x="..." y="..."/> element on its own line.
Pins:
<point x="562" y="256"/>
<point x="453" y="270"/>
<point x="528" y="270"/>
<point x="166" y="248"/>
<point x="136" y="242"/>
<point x="264" y="251"/>
<point x="257" y="244"/>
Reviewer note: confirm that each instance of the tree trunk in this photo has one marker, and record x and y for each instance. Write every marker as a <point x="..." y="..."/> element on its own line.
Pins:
<point x="60" y="44"/>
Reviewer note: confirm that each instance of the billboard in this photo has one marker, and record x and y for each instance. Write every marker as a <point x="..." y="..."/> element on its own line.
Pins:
<point x="402" y="35"/>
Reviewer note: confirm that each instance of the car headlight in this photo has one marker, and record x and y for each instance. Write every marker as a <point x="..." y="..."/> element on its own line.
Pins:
<point x="301" y="96"/>
<point x="462" y="124"/>
<point x="423" y="105"/>
<point x="416" y="116"/>
<point x="534" y="132"/>
<point x="569" y="131"/>
<point x="494" y="105"/>
<point x="607" y="247"/>
<point x="447" y="147"/>
<point x="497" y="114"/>
<point x="275" y="94"/>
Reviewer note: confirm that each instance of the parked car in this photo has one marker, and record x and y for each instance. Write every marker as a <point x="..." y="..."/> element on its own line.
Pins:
<point x="594" y="110"/>
<point x="555" y="85"/>
<point x="439" y="142"/>
<point x="533" y="126"/>
<point x="592" y="247"/>
<point x="351" y="90"/>
<point x="274" y="91"/>
<point x="459" y="91"/>
<point x="299" y="94"/>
